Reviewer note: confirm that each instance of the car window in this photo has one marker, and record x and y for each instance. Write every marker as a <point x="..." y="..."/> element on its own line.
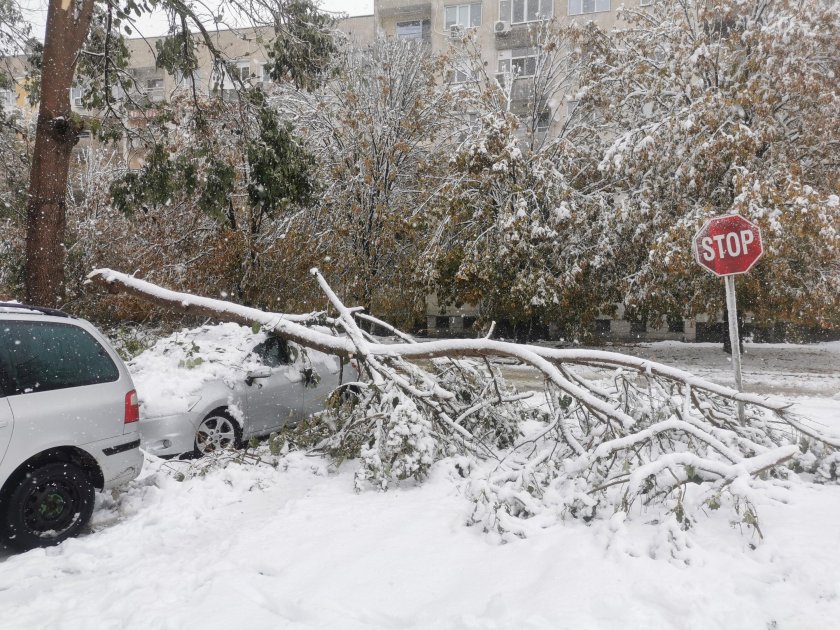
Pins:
<point x="42" y="356"/>
<point x="273" y="352"/>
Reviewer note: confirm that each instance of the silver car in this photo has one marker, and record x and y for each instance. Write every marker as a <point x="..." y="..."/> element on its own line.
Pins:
<point x="214" y="387"/>
<point x="68" y="424"/>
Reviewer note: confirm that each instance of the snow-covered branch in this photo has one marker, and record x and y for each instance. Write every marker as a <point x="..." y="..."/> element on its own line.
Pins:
<point x="639" y="432"/>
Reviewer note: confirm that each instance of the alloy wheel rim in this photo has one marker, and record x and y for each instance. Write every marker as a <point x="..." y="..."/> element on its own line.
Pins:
<point x="214" y="434"/>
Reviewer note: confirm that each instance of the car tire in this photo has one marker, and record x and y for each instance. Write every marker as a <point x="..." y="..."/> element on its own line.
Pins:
<point x="49" y="504"/>
<point x="215" y="433"/>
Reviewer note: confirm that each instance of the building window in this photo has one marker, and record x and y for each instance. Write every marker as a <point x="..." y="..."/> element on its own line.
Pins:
<point x="520" y="11"/>
<point x="571" y="106"/>
<point x="519" y="62"/>
<point x="646" y="3"/>
<point x="579" y="7"/>
<point x="461" y="76"/>
<point x="7" y="99"/>
<point x="543" y="120"/>
<point x="265" y="73"/>
<point x="638" y="327"/>
<point x="415" y="29"/>
<point x="463" y="15"/>
<point x="243" y="71"/>
<point x="602" y="326"/>
<point x="187" y="80"/>
<point x="76" y="94"/>
<point x="676" y="324"/>
<point x="154" y="89"/>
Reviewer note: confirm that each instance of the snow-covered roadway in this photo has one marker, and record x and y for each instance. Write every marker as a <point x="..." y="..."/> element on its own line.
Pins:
<point x="297" y="548"/>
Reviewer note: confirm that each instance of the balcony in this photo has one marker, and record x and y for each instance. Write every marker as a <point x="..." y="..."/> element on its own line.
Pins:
<point x="402" y="8"/>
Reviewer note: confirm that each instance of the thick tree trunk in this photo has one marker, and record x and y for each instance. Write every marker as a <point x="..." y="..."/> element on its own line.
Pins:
<point x="56" y="133"/>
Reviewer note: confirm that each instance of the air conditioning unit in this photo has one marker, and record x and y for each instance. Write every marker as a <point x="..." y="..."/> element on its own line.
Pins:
<point x="501" y="27"/>
<point x="456" y="31"/>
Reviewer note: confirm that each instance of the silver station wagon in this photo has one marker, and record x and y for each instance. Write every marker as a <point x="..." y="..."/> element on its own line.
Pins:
<point x="68" y="424"/>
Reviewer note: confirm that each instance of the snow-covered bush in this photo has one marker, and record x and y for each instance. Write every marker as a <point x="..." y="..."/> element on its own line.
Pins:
<point x="397" y="433"/>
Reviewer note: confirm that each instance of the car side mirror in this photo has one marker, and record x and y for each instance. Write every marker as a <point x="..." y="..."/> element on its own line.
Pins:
<point x="253" y="375"/>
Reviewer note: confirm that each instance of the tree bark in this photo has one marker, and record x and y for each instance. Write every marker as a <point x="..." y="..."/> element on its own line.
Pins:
<point x="56" y="134"/>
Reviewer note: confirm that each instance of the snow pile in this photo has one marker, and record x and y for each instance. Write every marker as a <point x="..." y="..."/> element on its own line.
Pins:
<point x="292" y="544"/>
<point x="169" y="375"/>
<point x="295" y="547"/>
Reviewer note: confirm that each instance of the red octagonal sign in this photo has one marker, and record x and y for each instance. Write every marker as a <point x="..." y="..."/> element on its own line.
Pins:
<point x="728" y="245"/>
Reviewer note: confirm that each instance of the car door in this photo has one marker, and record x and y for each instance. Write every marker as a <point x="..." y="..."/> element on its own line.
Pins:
<point x="277" y="399"/>
<point x="320" y="377"/>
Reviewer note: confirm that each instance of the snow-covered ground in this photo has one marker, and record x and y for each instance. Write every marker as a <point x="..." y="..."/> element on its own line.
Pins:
<point x="251" y="546"/>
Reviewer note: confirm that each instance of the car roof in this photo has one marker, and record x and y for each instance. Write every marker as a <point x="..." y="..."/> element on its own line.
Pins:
<point x="18" y="308"/>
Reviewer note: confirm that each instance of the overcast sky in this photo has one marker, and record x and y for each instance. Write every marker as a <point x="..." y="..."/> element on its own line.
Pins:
<point x="36" y="12"/>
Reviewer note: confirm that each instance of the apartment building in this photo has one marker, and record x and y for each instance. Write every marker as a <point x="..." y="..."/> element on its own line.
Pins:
<point x="502" y="28"/>
<point x="246" y="49"/>
<point x="501" y="25"/>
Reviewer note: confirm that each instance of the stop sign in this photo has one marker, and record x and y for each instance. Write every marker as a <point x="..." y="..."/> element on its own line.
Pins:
<point x="728" y="245"/>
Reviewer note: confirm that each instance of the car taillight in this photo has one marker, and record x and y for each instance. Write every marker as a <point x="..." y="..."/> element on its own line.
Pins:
<point x="132" y="407"/>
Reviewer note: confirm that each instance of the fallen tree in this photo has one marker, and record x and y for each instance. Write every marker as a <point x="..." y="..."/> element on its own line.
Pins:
<point x="639" y="436"/>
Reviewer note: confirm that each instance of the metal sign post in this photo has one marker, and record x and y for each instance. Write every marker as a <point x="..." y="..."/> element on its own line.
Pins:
<point x="727" y="246"/>
<point x="734" y="338"/>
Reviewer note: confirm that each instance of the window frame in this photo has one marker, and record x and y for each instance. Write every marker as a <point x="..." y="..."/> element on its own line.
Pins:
<point x="595" y="9"/>
<point x="470" y="7"/>
<point x="507" y="11"/>
<point x="459" y="76"/>
<point x="77" y="94"/>
<point x="8" y="98"/>
<point x="508" y="58"/>
<point x="246" y="67"/>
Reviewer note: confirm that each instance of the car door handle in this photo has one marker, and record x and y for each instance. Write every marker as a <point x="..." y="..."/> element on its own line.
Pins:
<point x="4" y="423"/>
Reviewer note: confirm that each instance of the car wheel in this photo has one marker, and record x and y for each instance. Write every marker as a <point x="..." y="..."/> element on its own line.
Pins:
<point x="216" y="432"/>
<point x="50" y="504"/>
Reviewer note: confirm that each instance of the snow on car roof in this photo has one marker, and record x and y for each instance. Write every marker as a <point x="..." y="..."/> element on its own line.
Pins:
<point x="170" y="375"/>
